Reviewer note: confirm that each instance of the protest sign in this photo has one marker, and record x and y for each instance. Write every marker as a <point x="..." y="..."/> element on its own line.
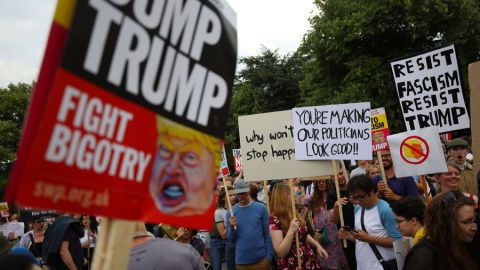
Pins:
<point x="127" y="89"/>
<point x="380" y="130"/>
<point x="29" y="214"/>
<point x="237" y="158"/>
<point x="4" y="213"/>
<point x="267" y="144"/>
<point x="224" y="164"/>
<point x="474" y="82"/>
<point x="417" y="152"/>
<point x="429" y="88"/>
<point x="401" y="247"/>
<point x="16" y="227"/>
<point x="341" y="131"/>
<point x="3" y="206"/>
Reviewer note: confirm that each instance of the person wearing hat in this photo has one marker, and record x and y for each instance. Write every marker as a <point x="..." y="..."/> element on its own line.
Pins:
<point x="7" y="247"/>
<point x="458" y="150"/>
<point x="254" y="249"/>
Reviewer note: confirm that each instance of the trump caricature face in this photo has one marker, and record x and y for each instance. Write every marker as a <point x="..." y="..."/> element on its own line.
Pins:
<point x="378" y="137"/>
<point x="184" y="173"/>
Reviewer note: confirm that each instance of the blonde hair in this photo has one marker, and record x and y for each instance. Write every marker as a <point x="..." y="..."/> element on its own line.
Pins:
<point x="369" y="169"/>
<point x="168" y="127"/>
<point x="281" y="206"/>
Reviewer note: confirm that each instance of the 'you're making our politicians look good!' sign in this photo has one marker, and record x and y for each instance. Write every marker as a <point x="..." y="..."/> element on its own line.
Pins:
<point x="341" y="131"/>
<point x="430" y="92"/>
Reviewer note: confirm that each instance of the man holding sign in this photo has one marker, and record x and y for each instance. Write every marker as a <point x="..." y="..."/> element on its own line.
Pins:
<point x="254" y="249"/>
<point x="397" y="187"/>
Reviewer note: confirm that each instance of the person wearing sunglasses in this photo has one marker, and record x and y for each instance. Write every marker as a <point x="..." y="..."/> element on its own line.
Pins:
<point x="451" y="239"/>
<point x="37" y="234"/>
<point x="375" y="226"/>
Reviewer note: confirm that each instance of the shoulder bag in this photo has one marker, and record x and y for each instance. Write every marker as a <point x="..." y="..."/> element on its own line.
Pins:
<point x="387" y="265"/>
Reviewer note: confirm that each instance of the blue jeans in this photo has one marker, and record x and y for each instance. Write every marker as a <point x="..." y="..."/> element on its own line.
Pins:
<point x="217" y="247"/>
<point x="230" y="255"/>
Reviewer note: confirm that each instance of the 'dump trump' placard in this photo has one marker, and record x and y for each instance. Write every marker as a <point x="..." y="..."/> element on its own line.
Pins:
<point x="130" y="108"/>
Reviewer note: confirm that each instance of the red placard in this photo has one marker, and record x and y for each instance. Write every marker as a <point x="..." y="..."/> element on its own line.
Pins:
<point x="115" y="131"/>
<point x="4" y="213"/>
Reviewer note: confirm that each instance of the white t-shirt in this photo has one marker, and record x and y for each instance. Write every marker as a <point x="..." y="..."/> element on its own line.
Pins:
<point x="84" y="239"/>
<point x="357" y="171"/>
<point x="379" y="222"/>
<point x="220" y="216"/>
<point x="261" y="195"/>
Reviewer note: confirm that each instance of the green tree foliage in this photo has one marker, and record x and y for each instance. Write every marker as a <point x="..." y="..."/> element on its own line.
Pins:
<point x="267" y="83"/>
<point x="13" y="104"/>
<point x="351" y="42"/>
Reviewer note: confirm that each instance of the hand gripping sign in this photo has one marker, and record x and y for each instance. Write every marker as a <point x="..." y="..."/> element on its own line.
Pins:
<point x="417" y="152"/>
<point x="129" y="111"/>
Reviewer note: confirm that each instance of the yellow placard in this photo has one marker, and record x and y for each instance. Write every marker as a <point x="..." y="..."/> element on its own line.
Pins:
<point x="3" y="206"/>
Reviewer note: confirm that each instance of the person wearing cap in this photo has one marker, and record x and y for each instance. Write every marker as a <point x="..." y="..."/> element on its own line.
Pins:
<point x="458" y="150"/>
<point x="7" y="247"/>
<point x="254" y="249"/>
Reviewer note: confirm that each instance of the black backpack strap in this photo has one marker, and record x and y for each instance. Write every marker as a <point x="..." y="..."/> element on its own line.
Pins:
<point x="372" y="246"/>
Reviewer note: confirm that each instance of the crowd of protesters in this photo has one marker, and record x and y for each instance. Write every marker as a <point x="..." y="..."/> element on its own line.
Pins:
<point x="251" y="236"/>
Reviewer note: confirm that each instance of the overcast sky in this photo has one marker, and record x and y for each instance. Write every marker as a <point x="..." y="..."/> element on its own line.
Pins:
<point x="25" y="24"/>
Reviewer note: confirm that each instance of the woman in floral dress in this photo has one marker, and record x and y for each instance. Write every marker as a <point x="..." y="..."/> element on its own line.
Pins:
<point x="282" y="228"/>
<point x="317" y="203"/>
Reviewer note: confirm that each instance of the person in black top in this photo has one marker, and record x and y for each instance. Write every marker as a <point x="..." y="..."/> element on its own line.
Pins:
<point x="61" y="244"/>
<point x="188" y="236"/>
<point x="451" y="239"/>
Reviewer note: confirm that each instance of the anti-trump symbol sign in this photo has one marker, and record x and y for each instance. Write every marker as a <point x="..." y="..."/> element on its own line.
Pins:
<point x="129" y="111"/>
<point x="417" y="152"/>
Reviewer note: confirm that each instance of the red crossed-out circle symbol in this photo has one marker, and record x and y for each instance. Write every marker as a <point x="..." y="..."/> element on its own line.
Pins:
<point x="423" y="155"/>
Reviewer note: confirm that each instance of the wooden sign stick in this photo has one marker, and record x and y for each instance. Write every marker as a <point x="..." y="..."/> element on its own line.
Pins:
<point x="339" y="199"/>
<point x="88" y="238"/>
<point x="380" y="162"/>
<point x="292" y="198"/>
<point x="112" y="250"/>
<point x="266" y="194"/>
<point x="425" y="189"/>
<point x="228" y="200"/>
<point x="345" y="172"/>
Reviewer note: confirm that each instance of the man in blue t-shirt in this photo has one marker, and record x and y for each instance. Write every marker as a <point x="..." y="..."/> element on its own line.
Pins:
<point x="254" y="249"/>
<point x="397" y="187"/>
